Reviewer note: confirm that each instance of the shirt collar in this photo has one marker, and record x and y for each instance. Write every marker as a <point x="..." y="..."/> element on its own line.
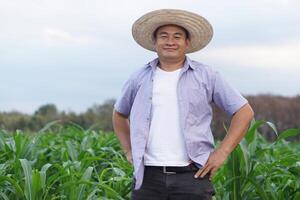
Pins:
<point x="187" y="64"/>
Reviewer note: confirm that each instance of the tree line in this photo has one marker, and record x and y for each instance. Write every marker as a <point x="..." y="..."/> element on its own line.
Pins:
<point x="284" y="112"/>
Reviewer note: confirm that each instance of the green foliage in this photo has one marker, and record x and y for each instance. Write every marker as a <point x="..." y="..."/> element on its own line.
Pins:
<point x="68" y="162"/>
<point x="257" y="169"/>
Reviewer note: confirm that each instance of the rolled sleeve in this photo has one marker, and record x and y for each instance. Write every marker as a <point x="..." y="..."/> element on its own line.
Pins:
<point x="124" y="102"/>
<point x="227" y="97"/>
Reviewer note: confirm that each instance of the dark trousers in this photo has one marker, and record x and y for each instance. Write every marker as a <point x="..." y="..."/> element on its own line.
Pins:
<point x="180" y="186"/>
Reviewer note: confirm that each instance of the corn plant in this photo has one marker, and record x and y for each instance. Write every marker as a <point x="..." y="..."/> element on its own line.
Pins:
<point x="68" y="162"/>
<point x="258" y="169"/>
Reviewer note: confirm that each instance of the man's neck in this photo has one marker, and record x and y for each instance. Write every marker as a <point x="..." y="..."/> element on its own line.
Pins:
<point x="171" y="65"/>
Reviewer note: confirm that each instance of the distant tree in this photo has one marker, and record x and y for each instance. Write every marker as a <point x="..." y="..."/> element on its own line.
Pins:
<point x="100" y="115"/>
<point x="43" y="115"/>
<point x="284" y="112"/>
<point x="48" y="110"/>
<point x="14" y="120"/>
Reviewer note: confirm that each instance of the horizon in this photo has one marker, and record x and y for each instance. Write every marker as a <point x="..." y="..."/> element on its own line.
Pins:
<point x="99" y="104"/>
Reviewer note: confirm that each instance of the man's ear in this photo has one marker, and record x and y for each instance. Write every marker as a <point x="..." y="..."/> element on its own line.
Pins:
<point x="188" y="42"/>
<point x="154" y="42"/>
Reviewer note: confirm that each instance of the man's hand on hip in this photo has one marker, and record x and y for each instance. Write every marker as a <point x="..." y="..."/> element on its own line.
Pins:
<point x="129" y="157"/>
<point x="214" y="162"/>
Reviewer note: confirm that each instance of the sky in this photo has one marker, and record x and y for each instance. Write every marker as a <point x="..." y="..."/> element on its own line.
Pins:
<point x="77" y="53"/>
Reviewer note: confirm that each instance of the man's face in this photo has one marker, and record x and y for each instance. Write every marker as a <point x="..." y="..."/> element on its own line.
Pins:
<point x="171" y="42"/>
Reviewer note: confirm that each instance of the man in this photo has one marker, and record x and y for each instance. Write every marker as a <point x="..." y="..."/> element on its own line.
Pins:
<point x="163" y="115"/>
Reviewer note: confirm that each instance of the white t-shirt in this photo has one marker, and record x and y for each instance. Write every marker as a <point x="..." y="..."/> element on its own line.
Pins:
<point x="166" y="144"/>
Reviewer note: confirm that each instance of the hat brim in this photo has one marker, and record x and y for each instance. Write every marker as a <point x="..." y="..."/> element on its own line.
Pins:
<point x="200" y="30"/>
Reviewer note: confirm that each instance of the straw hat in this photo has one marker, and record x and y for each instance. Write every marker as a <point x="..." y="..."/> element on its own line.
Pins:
<point x="200" y="30"/>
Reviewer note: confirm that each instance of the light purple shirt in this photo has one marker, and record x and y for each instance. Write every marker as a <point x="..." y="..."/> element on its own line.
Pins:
<point x="198" y="86"/>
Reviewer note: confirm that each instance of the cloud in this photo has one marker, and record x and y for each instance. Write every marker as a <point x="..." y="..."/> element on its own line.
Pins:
<point x="284" y="55"/>
<point x="56" y="37"/>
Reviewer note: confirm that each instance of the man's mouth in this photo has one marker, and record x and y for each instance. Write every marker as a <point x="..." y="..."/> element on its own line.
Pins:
<point x="169" y="49"/>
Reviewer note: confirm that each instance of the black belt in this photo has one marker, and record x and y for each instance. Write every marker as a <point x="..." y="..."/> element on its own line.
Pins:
<point x="175" y="169"/>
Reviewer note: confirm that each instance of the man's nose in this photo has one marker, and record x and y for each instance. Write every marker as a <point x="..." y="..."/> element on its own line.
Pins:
<point x="170" y="41"/>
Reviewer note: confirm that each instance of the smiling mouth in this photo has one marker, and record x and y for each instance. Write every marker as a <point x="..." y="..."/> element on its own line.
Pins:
<point x="169" y="49"/>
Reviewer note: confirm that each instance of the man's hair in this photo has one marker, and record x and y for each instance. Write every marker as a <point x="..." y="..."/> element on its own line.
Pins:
<point x="187" y="34"/>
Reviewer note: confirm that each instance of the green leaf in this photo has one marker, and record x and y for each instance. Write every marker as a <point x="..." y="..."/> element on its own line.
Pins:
<point x="251" y="134"/>
<point x="43" y="175"/>
<point x="245" y="156"/>
<point x="234" y="171"/>
<point x="19" y="191"/>
<point x="28" y="178"/>
<point x="48" y="126"/>
<point x="3" y="196"/>
<point x="288" y="133"/>
<point x="259" y="190"/>
<point x="86" y="176"/>
<point x="71" y="150"/>
<point x="2" y="140"/>
<point x="36" y="184"/>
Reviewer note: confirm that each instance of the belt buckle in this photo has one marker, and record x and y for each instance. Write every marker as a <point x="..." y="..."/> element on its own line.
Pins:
<point x="165" y="171"/>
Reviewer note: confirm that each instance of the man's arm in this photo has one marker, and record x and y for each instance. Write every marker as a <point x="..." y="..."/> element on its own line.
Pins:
<point x="237" y="130"/>
<point x="122" y="129"/>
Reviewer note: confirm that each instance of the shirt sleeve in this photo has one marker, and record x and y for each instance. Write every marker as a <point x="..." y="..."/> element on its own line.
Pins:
<point x="125" y="100"/>
<point x="227" y="97"/>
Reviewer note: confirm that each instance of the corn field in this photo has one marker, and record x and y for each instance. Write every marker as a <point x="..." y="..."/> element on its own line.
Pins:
<point x="68" y="162"/>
